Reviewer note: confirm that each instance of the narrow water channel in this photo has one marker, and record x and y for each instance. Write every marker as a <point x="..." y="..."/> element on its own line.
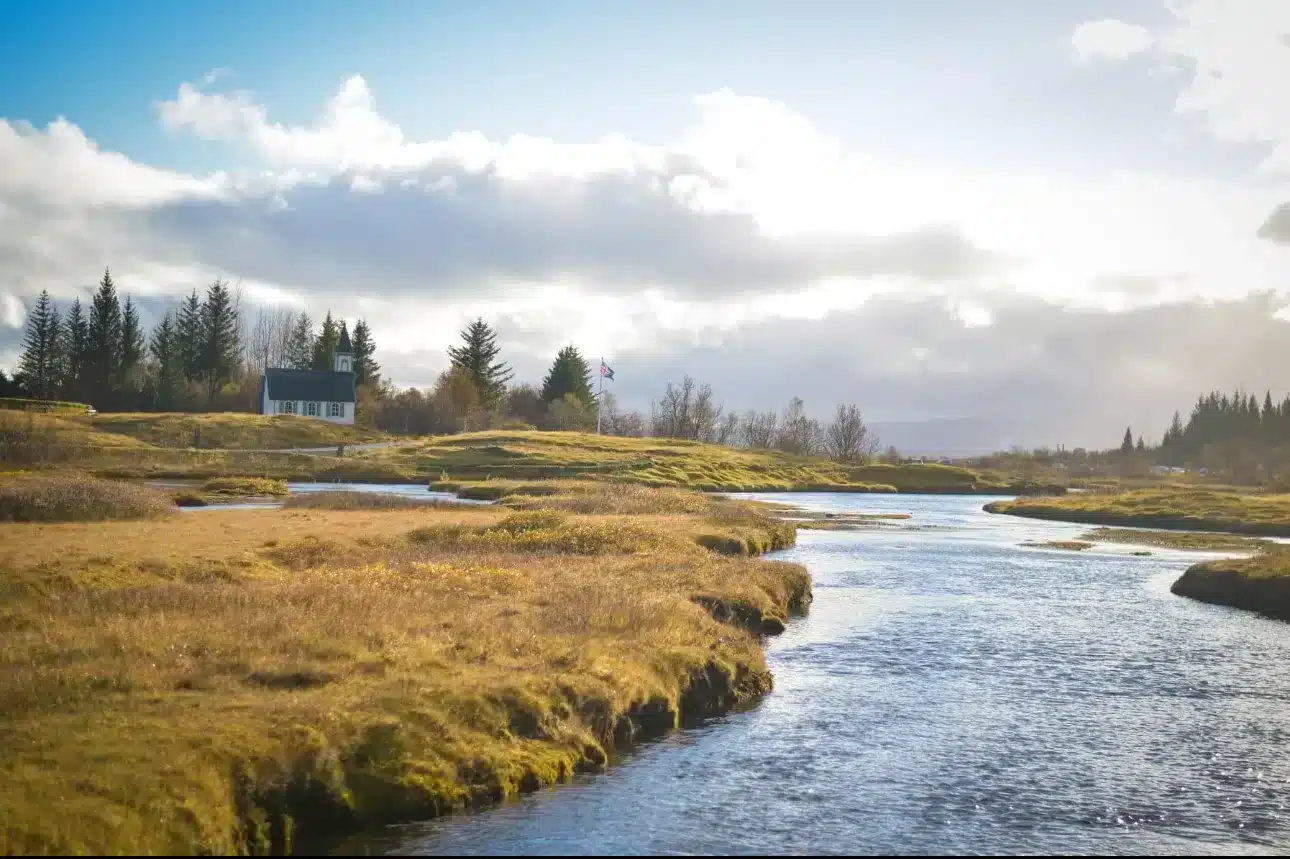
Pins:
<point x="952" y="691"/>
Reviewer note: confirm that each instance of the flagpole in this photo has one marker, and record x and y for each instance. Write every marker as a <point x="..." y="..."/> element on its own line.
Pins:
<point x="600" y="394"/>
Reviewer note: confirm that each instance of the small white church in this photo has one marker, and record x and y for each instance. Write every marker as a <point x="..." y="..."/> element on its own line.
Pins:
<point x="327" y="395"/>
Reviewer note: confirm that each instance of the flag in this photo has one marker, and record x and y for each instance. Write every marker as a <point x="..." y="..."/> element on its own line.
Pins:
<point x="606" y="371"/>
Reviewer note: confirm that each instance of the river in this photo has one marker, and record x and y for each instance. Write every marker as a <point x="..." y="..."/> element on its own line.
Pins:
<point x="953" y="692"/>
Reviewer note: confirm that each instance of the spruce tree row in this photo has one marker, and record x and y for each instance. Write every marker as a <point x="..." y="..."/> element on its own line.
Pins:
<point x="197" y="356"/>
<point x="1225" y="420"/>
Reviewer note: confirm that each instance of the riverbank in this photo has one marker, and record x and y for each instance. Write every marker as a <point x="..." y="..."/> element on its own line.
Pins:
<point x="1259" y="583"/>
<point x="1226" y="511"/>
<point x="233" y="684"/>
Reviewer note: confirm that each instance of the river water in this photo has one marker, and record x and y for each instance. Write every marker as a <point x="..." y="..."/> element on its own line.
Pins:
<point x="953" y="692"/>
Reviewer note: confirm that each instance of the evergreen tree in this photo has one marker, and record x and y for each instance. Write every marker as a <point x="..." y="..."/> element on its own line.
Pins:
<point x="41" y="359"/>
<point x="168" y="365"/>
<point x="189" y="336"/>
<point x="132" y="349"/>
<point x="325" y="344"/>
<point x="8" y="388"/>
<point x="1142" y="447"/>
<point x="477" y="356"/>
<point x="76" y="344"/>
<point x="366" y="370"/>
<point x="219" y="338"/>
<point x="569" y="374"/>
<point x="300" y="345"/>
<point x="1126" y="446"/>
<point x="103" y="361"/>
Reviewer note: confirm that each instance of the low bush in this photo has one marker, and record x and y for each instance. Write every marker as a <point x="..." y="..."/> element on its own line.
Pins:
<point x="71" y="498"/>
<point x="245" y="486"/>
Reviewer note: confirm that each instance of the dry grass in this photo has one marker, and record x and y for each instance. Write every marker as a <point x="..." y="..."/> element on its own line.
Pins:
<point x="1061" y="545"/>
<point x="1187" y="541"/>
<point x="1169" y="508"/>
<point x="245" y="487"/>
<point x="232" y="430"/>
<point x="494" y="457"/>
<point x="78" y="498"/>
<point x="212" y="683"/>
<point x="348" y="500"/>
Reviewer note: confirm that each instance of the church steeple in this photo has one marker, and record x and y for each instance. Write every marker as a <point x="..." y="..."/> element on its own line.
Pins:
<point x="343" y="357"/>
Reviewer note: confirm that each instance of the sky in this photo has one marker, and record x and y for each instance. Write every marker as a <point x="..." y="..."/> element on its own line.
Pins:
<point x="1045" y="220"/>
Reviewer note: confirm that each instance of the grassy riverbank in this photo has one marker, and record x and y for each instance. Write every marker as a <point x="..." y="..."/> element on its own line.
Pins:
<point x="1168" y="508"/>
<point x="231" y="681"/>
<point x="1259" y="583"/>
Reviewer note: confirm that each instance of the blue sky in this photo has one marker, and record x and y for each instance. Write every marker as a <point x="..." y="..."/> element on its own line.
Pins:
<point x="979" y="82"/>
<point x="1075" y="209"/>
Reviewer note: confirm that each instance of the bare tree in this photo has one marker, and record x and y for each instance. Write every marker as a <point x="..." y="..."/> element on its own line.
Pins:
<point x="760" y="429"/>
<point x="705" y="414"/>
<point x="728" y="430"/>
<point x="672" y="415"/>
<point x="799" y="433"/>
<point x="268" y="338"/>
<point x="847" y="439"/>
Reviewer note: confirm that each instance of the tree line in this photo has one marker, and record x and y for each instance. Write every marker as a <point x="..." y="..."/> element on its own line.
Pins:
<point x="208" y="354"/>
<point x="205" y="355"/>
<point x="475" y="393"/>
<point x="1233" y="432"/>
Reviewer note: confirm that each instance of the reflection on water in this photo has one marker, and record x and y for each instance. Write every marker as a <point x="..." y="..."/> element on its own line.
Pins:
<point x="954" y="692"/>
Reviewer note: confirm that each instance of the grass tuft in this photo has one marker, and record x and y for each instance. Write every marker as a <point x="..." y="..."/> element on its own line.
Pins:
<point x="245" y="486"/>
<point x="69" y="498"/>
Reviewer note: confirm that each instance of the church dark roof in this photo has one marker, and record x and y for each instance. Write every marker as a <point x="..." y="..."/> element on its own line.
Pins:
<point x="345" y="346"/>
<point x="321" y="385"/>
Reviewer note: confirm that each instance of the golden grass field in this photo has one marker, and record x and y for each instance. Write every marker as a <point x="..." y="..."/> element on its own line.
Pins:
<point x="234" y="445"/>
<point x="234" y="681"/>
<point x="1196" y="509"/>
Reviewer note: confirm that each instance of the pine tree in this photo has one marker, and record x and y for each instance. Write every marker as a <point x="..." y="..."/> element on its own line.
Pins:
<point x="168" y="365"/>
<point x="132" y="348"/>
<point x="1126" y="446"/>
<point x="219" y="338"/>
<point x="190" y="337"/>
<point x="76" y="341"/>
<point x="41" y="361"/>
<point x="103" y="361"/>
<point x="569" y="374"/>
<point x="325" y="344"/>
<point x="300" y="346"/>
<point x="478" y="357"/>
<point x="1142" y="447"/>
<point x="366" y="370"/>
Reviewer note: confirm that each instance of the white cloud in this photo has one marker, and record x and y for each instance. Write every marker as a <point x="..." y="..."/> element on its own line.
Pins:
<point x="750" y="240"/>
<point x="1239" y="59"/>
<point x="60" y="166"/>
<point x="1109" y="39"/>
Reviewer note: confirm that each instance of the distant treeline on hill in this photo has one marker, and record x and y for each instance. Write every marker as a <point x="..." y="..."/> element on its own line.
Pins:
<point x="1230" y="431"/>
<point x="207" y="355"/>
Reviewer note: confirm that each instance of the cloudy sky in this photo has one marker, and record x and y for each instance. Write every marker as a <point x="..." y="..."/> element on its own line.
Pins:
<point x="1051" y="218"/>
